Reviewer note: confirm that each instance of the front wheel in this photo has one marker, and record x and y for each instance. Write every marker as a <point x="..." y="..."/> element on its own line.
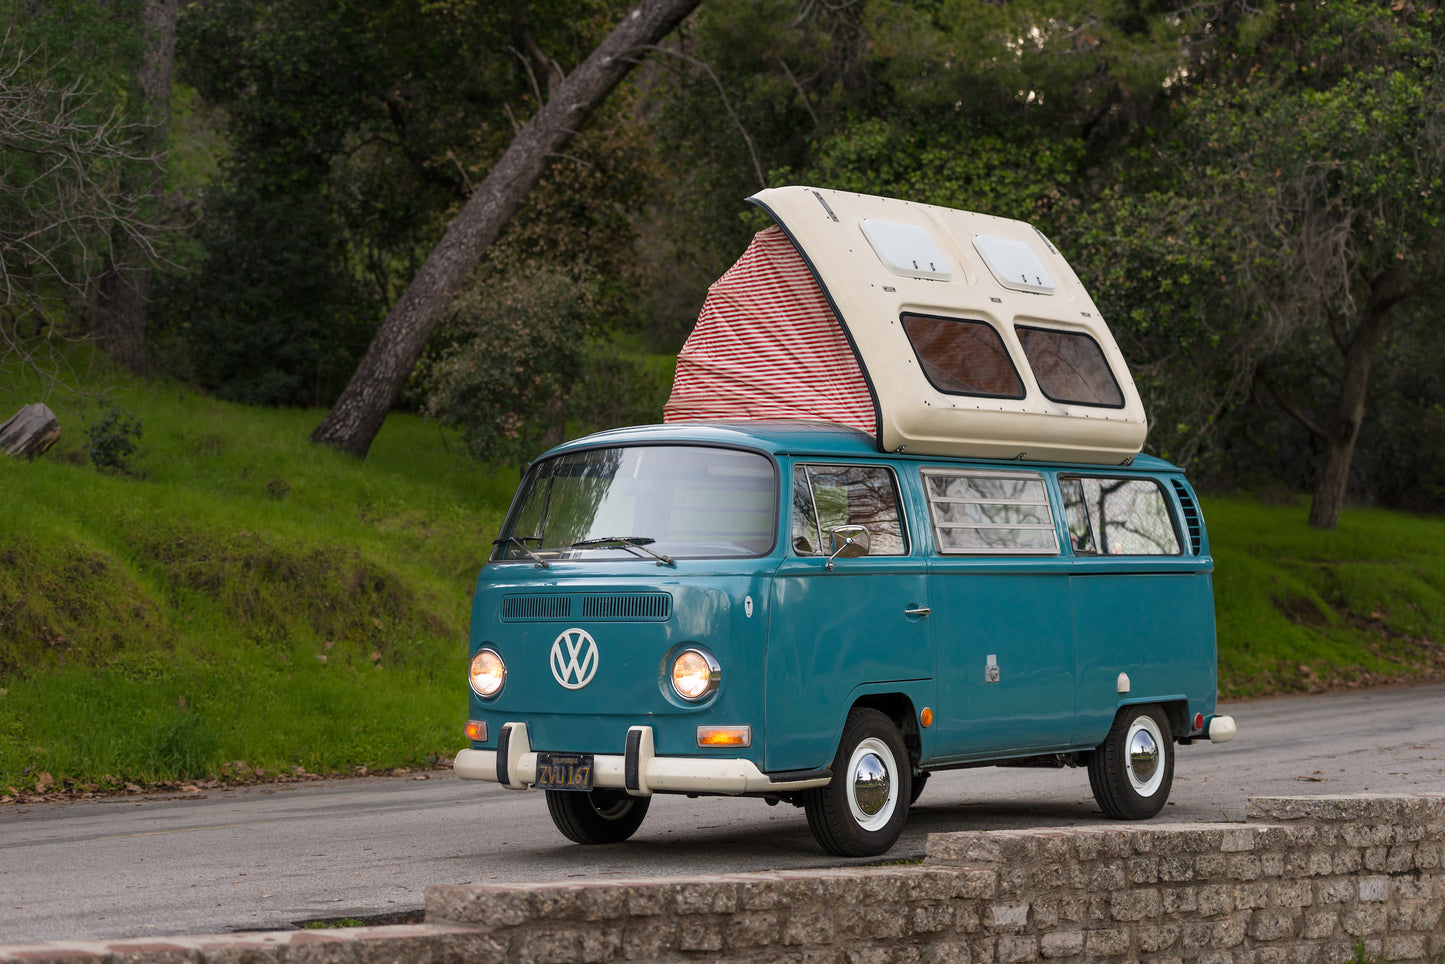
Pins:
<point x="862" y="811"/>
<point x="1132" y="770"/>
<point x="596" y="817"/>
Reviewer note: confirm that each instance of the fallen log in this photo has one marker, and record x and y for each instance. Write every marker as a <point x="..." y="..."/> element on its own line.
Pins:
<point x="29" y="431"/>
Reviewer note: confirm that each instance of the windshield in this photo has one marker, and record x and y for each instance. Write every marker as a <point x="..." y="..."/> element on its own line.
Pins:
<point x="682" y="501"/>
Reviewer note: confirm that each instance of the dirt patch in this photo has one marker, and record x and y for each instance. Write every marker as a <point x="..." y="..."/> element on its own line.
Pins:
<point x="1302" y="611"/>
<point x="272" y="588"/>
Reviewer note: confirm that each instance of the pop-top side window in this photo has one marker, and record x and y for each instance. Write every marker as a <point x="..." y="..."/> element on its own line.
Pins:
<point x="828" y="496"/>
<point x="1118" y="517"/>
<point x="1070" y="367"/>
<point x="961" y="357"/>
<point x="986" y="512"/>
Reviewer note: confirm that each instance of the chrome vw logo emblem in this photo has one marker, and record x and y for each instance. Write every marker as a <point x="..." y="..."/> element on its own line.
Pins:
<point x="574" y="658"/>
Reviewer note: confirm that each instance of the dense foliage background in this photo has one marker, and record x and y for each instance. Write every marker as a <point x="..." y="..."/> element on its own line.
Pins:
<point x="1251" y="192"/>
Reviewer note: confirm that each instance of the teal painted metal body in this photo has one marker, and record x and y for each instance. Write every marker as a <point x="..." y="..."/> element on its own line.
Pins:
<point x="1016" y="655"/>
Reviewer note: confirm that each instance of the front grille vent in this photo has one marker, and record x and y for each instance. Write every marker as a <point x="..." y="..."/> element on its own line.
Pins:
<point x="536" y="607"/>
<point x="1191" y="517"/>
<point x="656" y="606"/>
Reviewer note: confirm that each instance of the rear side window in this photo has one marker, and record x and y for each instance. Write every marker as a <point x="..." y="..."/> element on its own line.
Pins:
<point x="1070" y="367"/>
<point x="1118" y="517"/>
<point x="963" y="357"/>
<point x="828" y="496"/>
<point x="990" y="512"/>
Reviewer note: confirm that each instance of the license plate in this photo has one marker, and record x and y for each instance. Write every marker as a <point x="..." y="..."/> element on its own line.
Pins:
<point x="564" y="771"/>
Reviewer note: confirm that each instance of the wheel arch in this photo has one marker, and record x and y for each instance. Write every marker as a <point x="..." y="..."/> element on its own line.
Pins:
<point x="899" y="707"/>
<point x="1176" y="711"/>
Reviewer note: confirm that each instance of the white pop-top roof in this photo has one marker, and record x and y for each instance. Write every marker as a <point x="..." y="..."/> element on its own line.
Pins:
<point x="965" y="334"/>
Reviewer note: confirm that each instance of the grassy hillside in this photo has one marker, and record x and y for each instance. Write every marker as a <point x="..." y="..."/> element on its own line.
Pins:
<point x="1299" y="610"/>
<point x="241" y="602"/>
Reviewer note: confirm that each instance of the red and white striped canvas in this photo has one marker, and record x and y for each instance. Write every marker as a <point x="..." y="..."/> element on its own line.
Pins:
<point x="767" y="345"/>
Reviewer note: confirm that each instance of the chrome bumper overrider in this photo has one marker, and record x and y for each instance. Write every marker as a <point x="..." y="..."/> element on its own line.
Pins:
<point x="639" y="770"/>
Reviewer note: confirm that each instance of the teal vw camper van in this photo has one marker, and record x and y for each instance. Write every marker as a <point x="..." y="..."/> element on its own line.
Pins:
<point x="895" y="521"/>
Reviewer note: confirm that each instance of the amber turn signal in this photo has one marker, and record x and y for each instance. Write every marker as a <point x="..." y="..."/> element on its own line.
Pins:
<point x="725" y="736"/>
<point x="476" y="731"/>
<point x="926" y="717"/>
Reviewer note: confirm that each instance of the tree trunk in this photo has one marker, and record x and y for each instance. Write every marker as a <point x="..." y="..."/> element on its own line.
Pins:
<point x="29" y="432"/>
<point x="125" y="281"/>
<point x="354" y="420"/>
<point x="1344" y="428"/>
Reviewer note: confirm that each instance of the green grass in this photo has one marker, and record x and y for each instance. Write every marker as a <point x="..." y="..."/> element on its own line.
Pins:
<point x="244" y="602"/>
<point x="240" y="597"/>
<point x="1301" y="610"/>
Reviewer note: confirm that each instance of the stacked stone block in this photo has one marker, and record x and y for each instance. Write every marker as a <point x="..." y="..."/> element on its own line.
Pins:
<point x="1308" y="879"/>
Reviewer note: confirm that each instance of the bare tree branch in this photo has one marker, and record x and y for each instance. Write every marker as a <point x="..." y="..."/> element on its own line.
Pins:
<point x="1291" y="409"/>
<point x="64" y="210"/>
<point x="797" y="86"/>
<point x="727" y="105"/>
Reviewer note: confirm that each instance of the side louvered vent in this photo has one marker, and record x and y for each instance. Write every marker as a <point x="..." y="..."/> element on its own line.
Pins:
<point x="1191" y="517"/>
<point x="536" y="607"/>
<point x="632" y="605"/>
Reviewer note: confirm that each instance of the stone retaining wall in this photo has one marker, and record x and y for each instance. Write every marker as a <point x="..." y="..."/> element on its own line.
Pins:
<point x="1302" y="881"/>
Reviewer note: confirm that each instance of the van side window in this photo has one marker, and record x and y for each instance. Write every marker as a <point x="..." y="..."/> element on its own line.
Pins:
<point x="1070" y="367"/>
<point x="1118" y="517"/>
<point x="961" y="357"/>
<point x="828" y="496"/>
<point x="990" y="512"/>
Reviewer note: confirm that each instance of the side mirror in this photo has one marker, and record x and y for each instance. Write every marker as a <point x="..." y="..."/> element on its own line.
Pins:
<point x="849" y="542"/>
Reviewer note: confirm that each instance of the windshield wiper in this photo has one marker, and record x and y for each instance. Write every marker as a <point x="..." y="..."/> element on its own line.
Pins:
<point x="636" y="543"/>
<point x="541" y="563"/>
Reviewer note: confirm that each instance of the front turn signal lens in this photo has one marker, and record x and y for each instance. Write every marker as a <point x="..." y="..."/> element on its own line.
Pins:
<point x="476" y="731"/>
<point x="695" y="674"/>
<point x="725" y="736"/>
<point x="488" y="674"/>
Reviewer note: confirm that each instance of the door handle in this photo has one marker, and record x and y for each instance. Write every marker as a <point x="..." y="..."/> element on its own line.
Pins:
<point x="920" y="611"/>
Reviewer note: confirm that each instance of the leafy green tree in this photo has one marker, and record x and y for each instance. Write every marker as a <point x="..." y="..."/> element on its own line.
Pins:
<point x="329" y="185"/>
<point x="519" y="352"/>
<point x="1309" y="213"/>
<point x="370" y="124"/>
<point x="354" y="420"/>
<point x="1008" y="108"/>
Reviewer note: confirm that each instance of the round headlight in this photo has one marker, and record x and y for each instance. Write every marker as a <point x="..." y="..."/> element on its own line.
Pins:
<point x="695" y="674"/>
<point x="487" y="674"/>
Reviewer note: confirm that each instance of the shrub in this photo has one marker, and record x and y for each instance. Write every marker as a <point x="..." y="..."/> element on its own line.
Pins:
<point x="111" y="441"/>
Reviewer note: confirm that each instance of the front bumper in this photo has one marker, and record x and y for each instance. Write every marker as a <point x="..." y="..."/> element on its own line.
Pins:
<point x="638" y="770"/>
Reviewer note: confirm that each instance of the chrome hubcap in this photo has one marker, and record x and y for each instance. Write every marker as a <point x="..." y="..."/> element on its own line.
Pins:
<point x="871" y="787"/>
<point x="871" y="784"/>
<point x="1144" y="750"/>
<point x="1143" y="755"/>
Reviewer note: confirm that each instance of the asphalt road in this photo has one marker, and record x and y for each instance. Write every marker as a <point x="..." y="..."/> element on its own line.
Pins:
<point x="264" y="858"/>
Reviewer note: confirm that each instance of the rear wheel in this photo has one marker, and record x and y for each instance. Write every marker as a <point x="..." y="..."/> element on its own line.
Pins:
<point x="596" y="817"/>
<point x="862" y="812"/>
<point x="1132" y="770"/>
